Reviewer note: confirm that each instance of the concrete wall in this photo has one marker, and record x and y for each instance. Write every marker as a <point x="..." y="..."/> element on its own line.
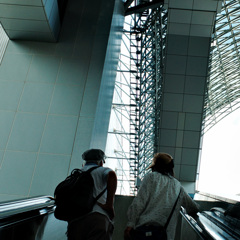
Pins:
<point x="30" y="20"/>
<point x="49" y="95"/>
<point x="190" y="27"/>
<point x="120" y="222"/>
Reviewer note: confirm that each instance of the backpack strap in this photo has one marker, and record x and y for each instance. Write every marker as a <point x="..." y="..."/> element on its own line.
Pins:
<point x="77" y="170"/>
<point x="91" y="169"/>
<point x="166" y="224"/>
<point x="101" y="193"/>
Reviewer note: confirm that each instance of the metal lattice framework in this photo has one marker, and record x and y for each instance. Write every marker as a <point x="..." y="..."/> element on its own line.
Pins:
<point x="124" y="101"/>
<point x="150" y="33"/>
<point x="223" y="88"/>
<point x="141" y="65"/>
<point x="138" y="94"/>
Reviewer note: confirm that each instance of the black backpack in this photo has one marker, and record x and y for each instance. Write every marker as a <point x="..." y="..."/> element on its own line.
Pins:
<point x="74" y="196"/>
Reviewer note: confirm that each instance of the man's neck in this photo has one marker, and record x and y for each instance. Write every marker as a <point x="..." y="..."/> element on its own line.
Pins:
<point x="91" y="163"/>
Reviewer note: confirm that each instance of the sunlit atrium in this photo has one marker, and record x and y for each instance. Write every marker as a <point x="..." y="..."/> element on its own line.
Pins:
<point x="132" y="78"/>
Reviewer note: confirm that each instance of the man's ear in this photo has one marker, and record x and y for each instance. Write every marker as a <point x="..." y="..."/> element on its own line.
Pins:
<point x="101" y="163"/>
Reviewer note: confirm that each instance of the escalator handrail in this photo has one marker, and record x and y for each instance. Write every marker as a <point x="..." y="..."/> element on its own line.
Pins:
<point x="214" y="219"/>
<point x="193" y="223"/>
<point x="20" y="206"/>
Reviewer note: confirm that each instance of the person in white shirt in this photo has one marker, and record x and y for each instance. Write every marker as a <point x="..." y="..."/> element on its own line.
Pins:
<point x="98" y="224"/>
<point x="155" y="200"/>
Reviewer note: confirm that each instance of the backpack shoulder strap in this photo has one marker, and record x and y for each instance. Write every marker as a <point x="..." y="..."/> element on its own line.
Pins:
<point x="80" y="170"/>
<point x="92" y="168"/>
<point x="101" y="193"/>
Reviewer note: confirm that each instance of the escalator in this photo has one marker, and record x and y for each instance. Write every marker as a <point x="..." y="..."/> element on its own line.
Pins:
<point x="215" y="224"/>
<point x="30" y="219"/>
<point x="33" y="219"/>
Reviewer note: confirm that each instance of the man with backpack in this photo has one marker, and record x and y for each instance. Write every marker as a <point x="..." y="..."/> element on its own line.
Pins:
<point x="98" y="223"/>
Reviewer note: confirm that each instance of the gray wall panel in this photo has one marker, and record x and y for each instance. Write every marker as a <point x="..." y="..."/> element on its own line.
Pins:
<point x="24" y="25"/>
<point x="48" y="101"/>
<point x="31" y="36"/>
<point x="22" y="2"/>
<point x="27" y="18"/>
<point x="22" y="12"/>
<point x="188" y="40"/>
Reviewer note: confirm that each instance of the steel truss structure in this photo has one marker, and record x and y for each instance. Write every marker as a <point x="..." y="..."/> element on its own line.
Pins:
<point x="137" y="95"/>
<point x="223" y="86"/>
<point x="120" y="137"/>
<point x="150" y="34"/>
<point x="141" y="64"/>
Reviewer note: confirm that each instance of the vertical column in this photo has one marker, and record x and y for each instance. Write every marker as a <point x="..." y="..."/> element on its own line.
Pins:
<point x="190" y="26"/>
<point x="30" y="20"/>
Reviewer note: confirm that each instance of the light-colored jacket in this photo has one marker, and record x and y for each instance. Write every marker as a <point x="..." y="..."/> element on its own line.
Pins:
<point x="155" y="200"/>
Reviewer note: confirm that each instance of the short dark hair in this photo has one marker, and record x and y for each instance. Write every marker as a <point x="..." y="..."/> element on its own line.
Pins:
<point x="94" y="155"/>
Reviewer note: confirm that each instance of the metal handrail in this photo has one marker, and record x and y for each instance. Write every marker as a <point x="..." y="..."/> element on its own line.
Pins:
<point x="8" y="209"/>
<point x="193" y="223"/>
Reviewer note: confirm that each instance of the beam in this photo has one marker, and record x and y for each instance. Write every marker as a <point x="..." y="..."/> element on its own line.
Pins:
<point x="142" y="7"/>
<point x="127" y="4"/>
